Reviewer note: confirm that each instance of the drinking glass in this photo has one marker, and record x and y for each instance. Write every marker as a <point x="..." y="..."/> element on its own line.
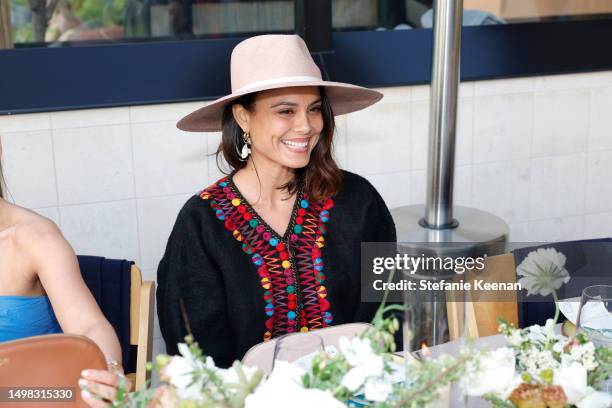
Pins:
<point x="298" y="348"/>
<point x="595" y="318"/>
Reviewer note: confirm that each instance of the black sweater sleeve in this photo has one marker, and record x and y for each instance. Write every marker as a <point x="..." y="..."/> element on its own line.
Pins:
<point x="188" y="271"/>
<point x="379" y="227"/>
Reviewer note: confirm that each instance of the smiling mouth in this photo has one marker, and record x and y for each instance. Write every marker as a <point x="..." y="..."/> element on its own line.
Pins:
<point x="296" y="146"/>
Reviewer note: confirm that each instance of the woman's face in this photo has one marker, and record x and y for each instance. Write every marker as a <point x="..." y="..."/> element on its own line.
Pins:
<point x="284" y="124"/>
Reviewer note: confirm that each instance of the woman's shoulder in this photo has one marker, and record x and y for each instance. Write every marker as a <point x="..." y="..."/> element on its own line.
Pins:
<point x="29" y="226"/>
<point x="36" y="237"/>
<point x="199" y="206"/>
<point x="356" y="188"/>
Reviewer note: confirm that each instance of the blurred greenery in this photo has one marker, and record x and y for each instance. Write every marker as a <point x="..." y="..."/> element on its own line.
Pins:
<point x="93" y="13"/>
<point x="100" y="13"/>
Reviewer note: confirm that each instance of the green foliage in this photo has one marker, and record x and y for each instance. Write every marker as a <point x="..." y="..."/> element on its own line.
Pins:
<point x="22" y="34"/>
<point x="427" y="377"/>
<point x="497" y="402"/>
<point x="603" y="356"/>
<point x="96" y="13"/>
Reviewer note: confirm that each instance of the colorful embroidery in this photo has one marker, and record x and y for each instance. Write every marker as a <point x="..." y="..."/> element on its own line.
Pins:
<point x="291" y="267"/>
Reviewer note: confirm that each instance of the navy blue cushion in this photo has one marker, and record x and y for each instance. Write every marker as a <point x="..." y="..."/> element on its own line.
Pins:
<point x="589" y="262"/>
<point x="109" y="281"/>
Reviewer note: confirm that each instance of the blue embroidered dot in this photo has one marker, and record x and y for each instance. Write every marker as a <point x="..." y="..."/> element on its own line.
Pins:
<point x="291" y="315"/>
<point x="304" y="203"/>
<point x="220" y="215"/>
<point x="253" y="223"/>
<point x="290" y="289"/>
<point x="297" y="229"/>
<point x="327" y="317"/>
<point x="273" y="242"/>
<point x="324" y="216"/>
<point x="223" y="184"/>
<point x="257" y="259"/>
<point x="269" y="309"/>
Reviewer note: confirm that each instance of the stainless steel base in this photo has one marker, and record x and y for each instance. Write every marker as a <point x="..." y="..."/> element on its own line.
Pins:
<point x="477" y="232"/>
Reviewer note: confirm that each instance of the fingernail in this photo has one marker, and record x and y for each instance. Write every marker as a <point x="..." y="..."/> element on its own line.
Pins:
<point x="85" y="394"/>
<point x="83" y="383"/>
<point x="85" y="373"/>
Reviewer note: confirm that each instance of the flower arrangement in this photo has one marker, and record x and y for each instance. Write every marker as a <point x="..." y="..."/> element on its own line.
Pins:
<point x="540" y="368"/>
<point x="360" y="370"/>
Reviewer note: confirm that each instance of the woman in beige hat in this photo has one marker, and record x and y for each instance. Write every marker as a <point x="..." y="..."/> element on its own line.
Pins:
<point x="274" y="247"/>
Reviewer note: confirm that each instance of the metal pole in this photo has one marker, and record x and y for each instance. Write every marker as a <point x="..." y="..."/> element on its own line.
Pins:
<point x="445" y="76"/>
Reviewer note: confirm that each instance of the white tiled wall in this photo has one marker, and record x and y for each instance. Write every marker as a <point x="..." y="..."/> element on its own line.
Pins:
<point x="535" y="151"/>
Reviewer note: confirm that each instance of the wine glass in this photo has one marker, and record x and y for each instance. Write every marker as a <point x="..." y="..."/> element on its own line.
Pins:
<point x="595" y="318"/>
<point x="298" y="348"/>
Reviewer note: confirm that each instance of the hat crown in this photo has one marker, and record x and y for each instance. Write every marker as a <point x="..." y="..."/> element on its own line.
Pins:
<point x="270" y="58"/>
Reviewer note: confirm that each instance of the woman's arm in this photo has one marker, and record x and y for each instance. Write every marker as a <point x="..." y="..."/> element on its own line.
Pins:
<point x="57" y="268"/>
<point x="188" y="273"/>
<point x="379" y="227"/>
<point x="75" y="308"/>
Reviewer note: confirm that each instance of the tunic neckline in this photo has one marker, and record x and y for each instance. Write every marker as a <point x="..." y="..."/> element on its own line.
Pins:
<point x="249" y="207"/>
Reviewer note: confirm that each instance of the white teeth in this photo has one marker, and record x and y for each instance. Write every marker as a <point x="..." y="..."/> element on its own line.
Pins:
<point x="295" y="144"/>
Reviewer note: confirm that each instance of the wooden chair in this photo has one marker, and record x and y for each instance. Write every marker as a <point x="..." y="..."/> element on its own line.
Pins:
<point x="142" y="299"/>
<point x="130" y="312"/>
<point x="482" y="316"/>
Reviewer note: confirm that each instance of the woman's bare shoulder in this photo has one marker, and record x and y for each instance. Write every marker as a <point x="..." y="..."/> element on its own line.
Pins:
<point x="32" y="229"/>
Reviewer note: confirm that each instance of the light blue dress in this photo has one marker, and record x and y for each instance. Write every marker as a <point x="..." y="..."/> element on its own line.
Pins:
<point x="25" y="316"/>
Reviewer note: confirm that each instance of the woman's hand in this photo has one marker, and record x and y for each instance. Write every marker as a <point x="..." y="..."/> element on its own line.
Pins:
<point x="100" y="387"/>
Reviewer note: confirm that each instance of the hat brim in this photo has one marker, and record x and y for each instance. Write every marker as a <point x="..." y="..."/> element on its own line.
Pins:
<point x="343" y="98"/>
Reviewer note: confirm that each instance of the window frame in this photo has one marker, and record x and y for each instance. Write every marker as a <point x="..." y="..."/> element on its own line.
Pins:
<point x="123" y="74"/>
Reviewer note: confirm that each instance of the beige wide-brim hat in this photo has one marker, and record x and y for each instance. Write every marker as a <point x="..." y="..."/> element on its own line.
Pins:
<point x="271" y="62"/>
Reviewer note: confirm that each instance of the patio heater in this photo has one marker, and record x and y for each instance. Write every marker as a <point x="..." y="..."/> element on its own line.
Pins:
<point x="438" y="228"/>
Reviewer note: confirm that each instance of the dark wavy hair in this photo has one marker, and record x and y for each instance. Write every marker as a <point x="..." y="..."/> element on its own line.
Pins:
<point x="321" y="177"/>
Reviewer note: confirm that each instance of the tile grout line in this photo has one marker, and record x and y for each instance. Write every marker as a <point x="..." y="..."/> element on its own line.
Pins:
<point x="586" y="165"/>
<point x="59" y="213"/>
<point x="133" y="153"/>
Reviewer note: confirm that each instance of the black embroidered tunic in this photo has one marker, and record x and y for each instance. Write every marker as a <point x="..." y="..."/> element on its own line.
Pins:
<point x="242" y="283"/>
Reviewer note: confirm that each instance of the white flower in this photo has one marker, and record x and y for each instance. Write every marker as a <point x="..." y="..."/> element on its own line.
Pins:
<point x="353" y="379"/>
<point x="180" y="372"/>
<point x="595" y="399"/>
<point x="515" y="338"/>
<point x="284" y="385"/>
<point x="230" y="376"/>
<point x="364" y="362"/>
<point x="583" y="354"/>
<point x="535" y="361"/>
<point x="543" y="271"/>
<point x="493" y="373"/>
<point x="573" y="379"/>
<point x="377" y="389"/>
<point x="558" y="346"/>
